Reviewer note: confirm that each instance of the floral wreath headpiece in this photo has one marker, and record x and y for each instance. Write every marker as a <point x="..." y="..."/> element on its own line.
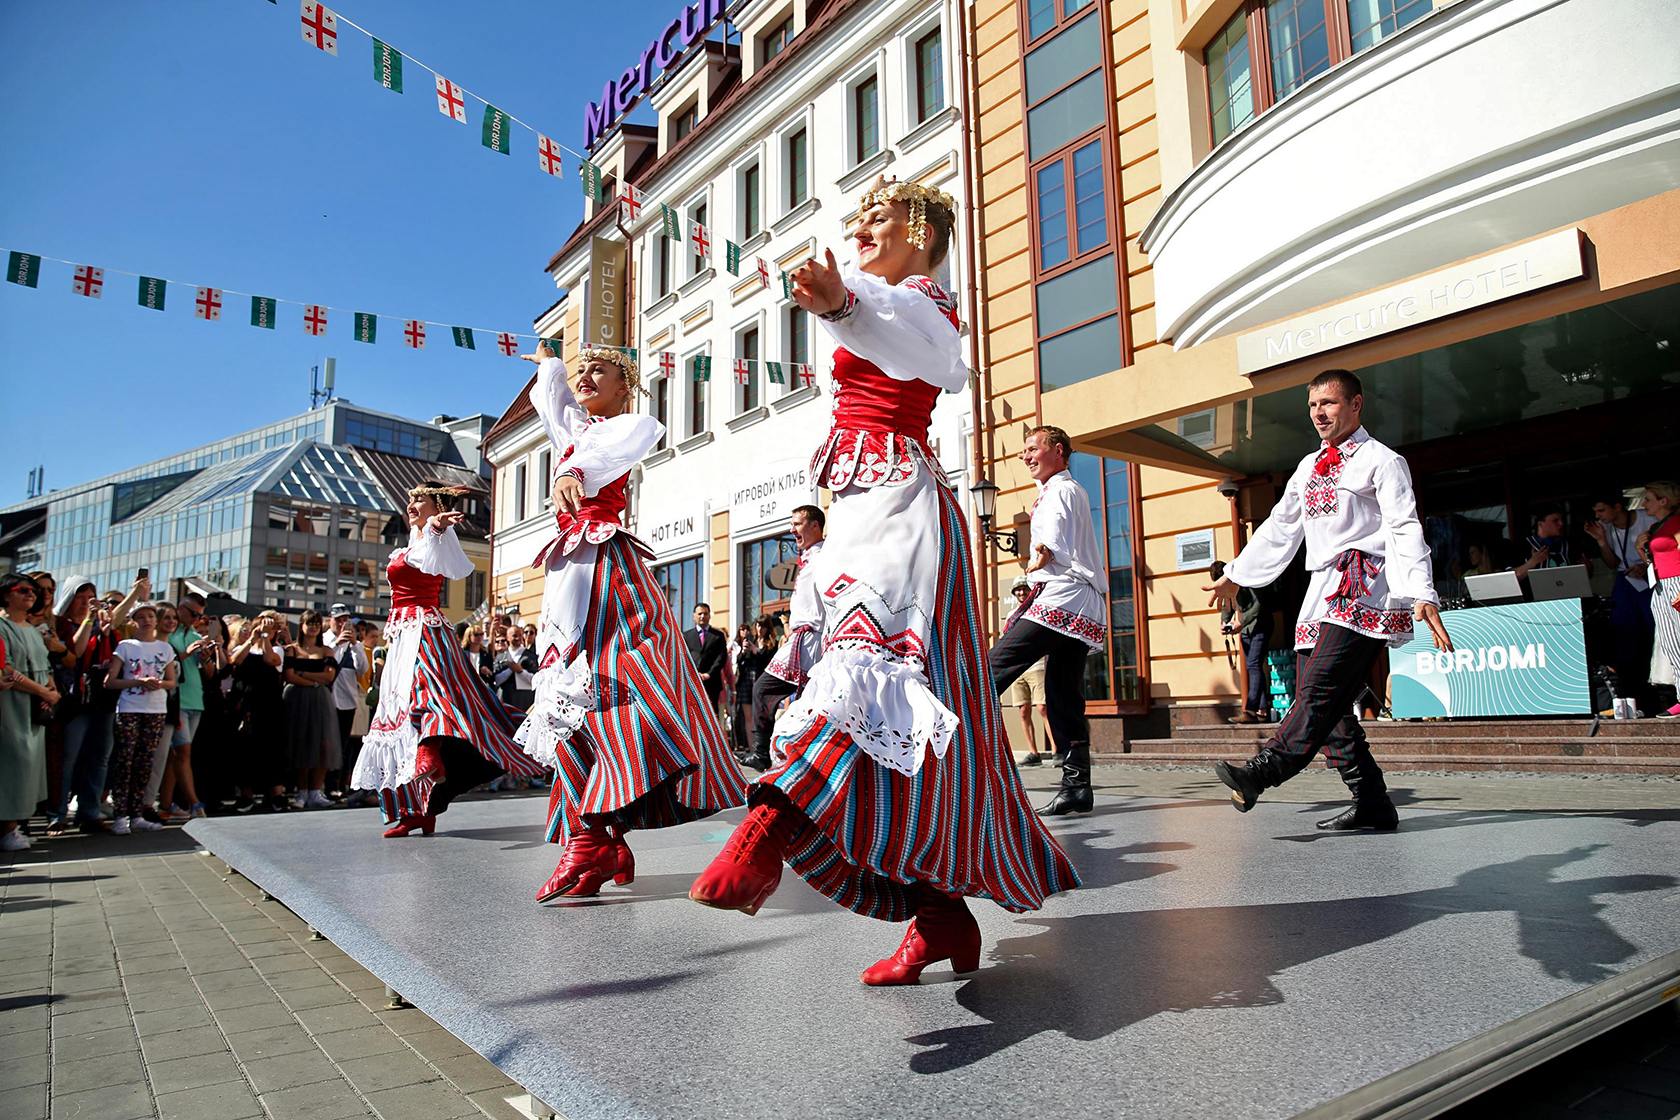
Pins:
<point x="917" y="198"/>
<point x="619" y="358"/>
<point x="441" y="494"/>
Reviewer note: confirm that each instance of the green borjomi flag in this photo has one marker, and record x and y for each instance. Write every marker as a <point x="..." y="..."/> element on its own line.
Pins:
<point x="703" y="368"/>
<point x="23" y="269"/>
<point x="552" y="343"/>
<point x="732" y="258"/>
<point x="367" y="327"/>
<point x="151" y="292"/>
<point x="593" y="184"/>
<point x="387" y="65"/>
<point x="262" y="312"/>
<point x="787" y="285"/>
<point x="670" y="224"/>
<point x="496" y="129"/>
<point x="463" y="337"/>
<point x="777" y="376"/>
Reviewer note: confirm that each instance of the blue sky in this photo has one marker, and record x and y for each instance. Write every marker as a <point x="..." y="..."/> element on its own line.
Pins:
<point x="204" y="141"/>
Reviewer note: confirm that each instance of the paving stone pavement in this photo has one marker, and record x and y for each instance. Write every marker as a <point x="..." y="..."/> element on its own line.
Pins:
<point x="139" y="980"/>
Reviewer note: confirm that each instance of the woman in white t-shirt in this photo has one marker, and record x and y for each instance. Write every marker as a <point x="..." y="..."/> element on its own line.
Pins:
<point x="143" y="671"/>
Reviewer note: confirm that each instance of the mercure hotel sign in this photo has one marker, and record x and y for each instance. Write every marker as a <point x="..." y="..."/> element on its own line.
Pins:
<point x="657" y="57"/>
<point x="1510" y="272"/>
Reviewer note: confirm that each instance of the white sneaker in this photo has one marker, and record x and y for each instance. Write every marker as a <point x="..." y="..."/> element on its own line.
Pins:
<point x="301" y="800"/>
<point x="119" y="827"/>
<point x="14" y="841"/>
<point x="318" y="800"/>
<point x="141" y="824"/>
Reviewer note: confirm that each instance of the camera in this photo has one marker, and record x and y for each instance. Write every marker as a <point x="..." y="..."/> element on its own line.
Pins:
<point x="1228" y="487"/>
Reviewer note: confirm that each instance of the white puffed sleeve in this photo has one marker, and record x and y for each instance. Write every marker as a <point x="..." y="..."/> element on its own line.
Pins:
<point x="438" y="554"/>
<point x="1063" y="525"/>
<point x="901" y="330"/>
<point x="562" y="417"/>
<point x="1408" y="570"/>
<point x="607" y="449"/>
<point x="1273" y="545"/>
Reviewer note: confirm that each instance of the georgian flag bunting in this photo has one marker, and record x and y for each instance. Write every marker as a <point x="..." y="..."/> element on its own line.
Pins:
<point x="208" y="304"/>
<point x="451" y="101"/>
<point x="88" y="281"/>
<point x="702" y="243"/>
<point x="548" y="156"/>
<point x="803" y="372"/>
<point x="414" y="334"/>
<point x="632" y="202"/>
<point x="763" y="273"/>
<point x="320" y="27"/>
<point x="742" y="373"/>
<point x="667" y="363"/>
<point x="314" y="319"/>
<point x="508" y="344"/>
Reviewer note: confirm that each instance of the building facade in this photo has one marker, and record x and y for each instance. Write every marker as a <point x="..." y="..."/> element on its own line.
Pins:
<point x="296" y="514"/>
<point x="1188" y="208"/>
<point x="765" y="139"/>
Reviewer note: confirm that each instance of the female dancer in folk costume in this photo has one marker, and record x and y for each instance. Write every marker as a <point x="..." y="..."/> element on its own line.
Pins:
<point x="620" y="713"/>
<point x="893" y="791"/>
<point x="439" y="729"/>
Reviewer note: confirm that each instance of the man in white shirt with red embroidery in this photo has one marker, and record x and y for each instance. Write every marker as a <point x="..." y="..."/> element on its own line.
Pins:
<point x="1369" y="578"/>
<point x="1062" y="617"/>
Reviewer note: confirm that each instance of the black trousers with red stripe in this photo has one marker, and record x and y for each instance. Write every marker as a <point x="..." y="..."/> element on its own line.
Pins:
<point x="1328" y="678"/>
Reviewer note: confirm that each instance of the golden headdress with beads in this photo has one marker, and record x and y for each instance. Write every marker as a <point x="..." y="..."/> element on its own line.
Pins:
<point x="620" y="358"/>
<point x="445" y="496"/>
<point x="918" y="199"/>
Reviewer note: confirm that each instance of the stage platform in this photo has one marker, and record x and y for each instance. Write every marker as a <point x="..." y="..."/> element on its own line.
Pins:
<point x="1216" y="964"/>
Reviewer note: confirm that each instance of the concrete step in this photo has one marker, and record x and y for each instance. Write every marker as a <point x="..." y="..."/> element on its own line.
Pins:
<point x="1467" y="746"/>
<point x="1648" y="766"/>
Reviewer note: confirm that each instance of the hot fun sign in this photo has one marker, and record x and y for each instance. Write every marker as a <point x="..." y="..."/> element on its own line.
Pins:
<point x="1525" y="659"/>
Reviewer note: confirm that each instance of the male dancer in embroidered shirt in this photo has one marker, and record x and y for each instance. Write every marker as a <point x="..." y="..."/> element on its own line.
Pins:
<point x="1062" y="618"/>
<point x="800" y="649"/>
<point x="1368" y="579"/>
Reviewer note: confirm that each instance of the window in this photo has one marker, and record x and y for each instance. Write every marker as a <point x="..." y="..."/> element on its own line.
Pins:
<point x="684" y="121"/>
<point x="796" y="181"/>
<point x="930" y="75"/>
<point x="799" y="337"/>
<point x="1113" y="673"/>
<point x="750" y="222"/>
<point x="697" y="263"/>
<point x="659" y="392"/>
<point x="1271" y="48"/>
<point x="746" y="396"/>
<point x="545" y="478"/>
<point x="662" y="267"/>
<point x="1044" y="16"/>
<point x="519" y="493"/>
<point x="866" y="105"/>
<point x="443" y="594"/>
<point x="775" y="41"/>
<point x="696" y="399"/>
<point x="680" y="580"/>
<point x="757" y="558"/>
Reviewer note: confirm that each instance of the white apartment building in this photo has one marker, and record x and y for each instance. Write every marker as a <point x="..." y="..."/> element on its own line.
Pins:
<point x="765" y="140"/>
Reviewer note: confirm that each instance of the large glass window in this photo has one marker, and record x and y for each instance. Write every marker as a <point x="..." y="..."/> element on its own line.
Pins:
<point x="749" y="203"/>
<point x="746" y="396"/>
<point x="1370" y="21"/>
<point x="1068" y="115"/>
<point x="519" y="489"/>
<point x="798" y="188"/>
<point x="681" y="582"/>
<point x="1112" y="673"/>
<point x="662" y="267"/>
<point x="757" y="558"/>
<point x="866" y="105"/>
<point x="1299" y="39"/>
<point x="775" y="41"/>
<point x="1052" y="215"/>
<point x="799" y="338"/>
<point x="696" y="399"/>
<point x="1230" y="78"/>
<point x="930" y="75"/>
<point x="683" y="123"/>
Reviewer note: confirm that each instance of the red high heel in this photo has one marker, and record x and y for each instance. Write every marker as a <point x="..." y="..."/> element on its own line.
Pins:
<point x="425" y="822"/>
<point x="749" y="869"/>
<point x="590" y="859"/>
<point x="942" y="929"/>
<point x="428" y="762"/>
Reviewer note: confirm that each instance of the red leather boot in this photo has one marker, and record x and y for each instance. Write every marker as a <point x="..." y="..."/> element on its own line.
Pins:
<point x="590" y="859"/>
<point x="749" y="869"/>
<point x="942" y="929"/>
<point x="428" y="762"/>
<point x="425" y="822"/>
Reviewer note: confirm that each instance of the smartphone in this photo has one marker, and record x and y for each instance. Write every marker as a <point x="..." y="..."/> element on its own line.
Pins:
<point x="145" y="573"/>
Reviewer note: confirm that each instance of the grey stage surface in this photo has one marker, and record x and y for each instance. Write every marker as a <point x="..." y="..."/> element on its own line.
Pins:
<point x="1215" y="964"/>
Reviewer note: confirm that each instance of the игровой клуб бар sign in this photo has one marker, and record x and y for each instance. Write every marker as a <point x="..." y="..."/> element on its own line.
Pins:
<point x="658" y="56"/>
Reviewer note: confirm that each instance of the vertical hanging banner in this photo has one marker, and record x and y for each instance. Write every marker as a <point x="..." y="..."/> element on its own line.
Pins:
<point x="732" y="257"/>
<point x="742" y="373"/>
<point x="387" y="65"/>
<point x="509" y="345"/>
<point x="763" y="273"/>
<point x="414" y="334"/>
<point x="593" y="187"/>
<point x="314" y="318"/>
<point x="463" y="337"/>
<point x="21" y="268"/>
<point x="604" y="322"/>
<point x="806" y="377"/>
<point x="702" y="367"/>
<point x="632" y="202"/>
<point x="451" y="101"/>
<point x="320" y="27"/>
<point x="367" y="327"/>
<point x="667" y="363"/>
<point x="208" y="304"/>
<point x="88" y="281"/>
<point x="787" y="285"/>
<point x="262" y="312"/>
<point x="774" y="371"/>
<point x="670" y="226"/>
<point x="702" y="243"/>
<point x="152" y="291"/>
<point x="548" y="156"/>
<point x="495" y="129"/>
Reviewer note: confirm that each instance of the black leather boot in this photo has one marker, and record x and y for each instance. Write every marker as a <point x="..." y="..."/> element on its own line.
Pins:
<point x="1246" y="782"/>
<point x="1371" y="809"/>
<point x="1074" y="796"/>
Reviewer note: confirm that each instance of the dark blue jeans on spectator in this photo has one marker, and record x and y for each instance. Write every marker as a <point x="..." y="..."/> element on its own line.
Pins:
<point x="87" y="751"/>
<point x="1254" y="653"/>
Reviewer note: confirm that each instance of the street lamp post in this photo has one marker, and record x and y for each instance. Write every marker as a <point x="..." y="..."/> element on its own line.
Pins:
<point x="985" y="508"/>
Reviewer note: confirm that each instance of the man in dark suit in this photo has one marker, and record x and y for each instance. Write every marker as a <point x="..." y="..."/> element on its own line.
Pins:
<point x="708" y="649"/>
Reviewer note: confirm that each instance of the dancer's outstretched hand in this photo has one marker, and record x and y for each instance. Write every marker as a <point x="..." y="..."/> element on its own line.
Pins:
<point x="1427" y="614"/>
<point x="818" y="287"/>
<point x="441" y="521"/>
<point x="544" y="350"/>
<point x="1224" y="592"/>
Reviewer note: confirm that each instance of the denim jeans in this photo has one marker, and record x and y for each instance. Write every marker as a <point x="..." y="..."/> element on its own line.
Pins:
<point x="87" y="752"/>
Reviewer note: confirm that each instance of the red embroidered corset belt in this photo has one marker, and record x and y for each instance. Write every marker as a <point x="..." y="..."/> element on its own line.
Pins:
<point x="411" y="587"/>
<point x="867" y="400"/>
